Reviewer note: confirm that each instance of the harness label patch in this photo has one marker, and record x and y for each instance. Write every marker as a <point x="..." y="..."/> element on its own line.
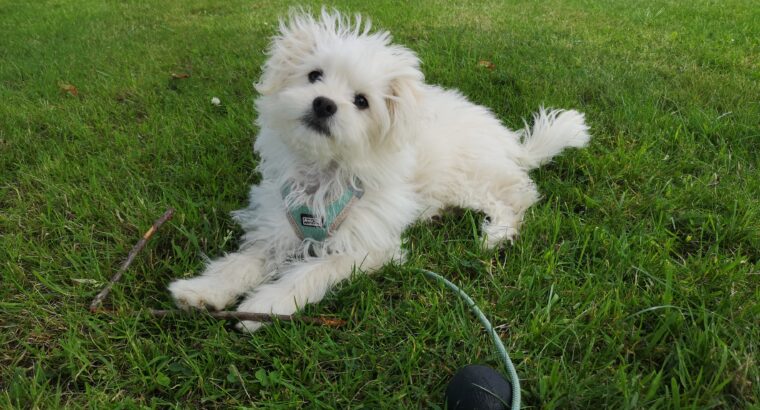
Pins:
<point x="310" y="221"/>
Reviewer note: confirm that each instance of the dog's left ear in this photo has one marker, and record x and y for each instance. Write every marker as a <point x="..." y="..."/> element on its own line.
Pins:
<point x="405" y="95"/>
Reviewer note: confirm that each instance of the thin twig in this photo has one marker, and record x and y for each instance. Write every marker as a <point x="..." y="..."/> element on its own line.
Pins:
<point x="124" y="266"/>
<point x="258" y="317"/>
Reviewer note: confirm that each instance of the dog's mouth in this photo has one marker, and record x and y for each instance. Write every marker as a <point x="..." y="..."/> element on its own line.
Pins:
<point x="316" y="124"/>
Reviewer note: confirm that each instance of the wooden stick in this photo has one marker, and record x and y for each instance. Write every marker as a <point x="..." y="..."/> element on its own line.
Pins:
<point x="131" y="257"/>
<point x="258" y="317"/>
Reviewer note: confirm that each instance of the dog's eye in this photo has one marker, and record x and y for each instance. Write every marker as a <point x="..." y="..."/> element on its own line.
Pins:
<point x="315" y="76"/>
<point x="361" y="102"/>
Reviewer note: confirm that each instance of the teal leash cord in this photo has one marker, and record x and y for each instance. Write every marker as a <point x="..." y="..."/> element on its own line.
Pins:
<point x="495" y="337"/>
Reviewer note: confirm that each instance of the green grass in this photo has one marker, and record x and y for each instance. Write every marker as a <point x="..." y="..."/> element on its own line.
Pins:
<point x="634" y="283"/>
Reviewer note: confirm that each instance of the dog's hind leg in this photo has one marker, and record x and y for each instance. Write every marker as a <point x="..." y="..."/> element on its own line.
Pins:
<point x="504" y="200"/>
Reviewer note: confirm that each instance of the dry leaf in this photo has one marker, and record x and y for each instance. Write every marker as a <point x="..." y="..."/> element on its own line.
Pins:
<point x="487" y="64"/>
<point x="68" y="88"/>
<point x="180" y="75"/>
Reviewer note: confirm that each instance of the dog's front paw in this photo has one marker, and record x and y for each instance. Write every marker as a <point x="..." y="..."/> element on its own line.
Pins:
<point x="198" y="293"/>
<point x="252" y="305"/>
<point x="248" y="326"/>
<point x="267" y="299"/>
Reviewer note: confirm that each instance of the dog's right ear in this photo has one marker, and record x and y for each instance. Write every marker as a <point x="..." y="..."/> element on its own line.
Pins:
<point x="295" y="41"/>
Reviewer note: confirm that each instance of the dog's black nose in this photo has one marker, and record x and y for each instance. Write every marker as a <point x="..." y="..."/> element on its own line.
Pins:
<point x="324" y="107"/>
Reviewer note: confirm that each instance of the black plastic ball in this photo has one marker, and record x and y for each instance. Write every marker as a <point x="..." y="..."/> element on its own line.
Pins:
<point x="478" y="387"/>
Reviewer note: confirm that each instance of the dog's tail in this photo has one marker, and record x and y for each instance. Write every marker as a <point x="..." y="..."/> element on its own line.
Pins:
<point x="552" y="132"/>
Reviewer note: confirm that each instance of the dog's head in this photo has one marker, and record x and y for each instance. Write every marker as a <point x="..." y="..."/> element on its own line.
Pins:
<point x="334" y="91"/>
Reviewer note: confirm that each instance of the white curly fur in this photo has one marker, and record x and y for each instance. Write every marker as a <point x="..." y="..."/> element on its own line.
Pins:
<point x="417" y="149"/>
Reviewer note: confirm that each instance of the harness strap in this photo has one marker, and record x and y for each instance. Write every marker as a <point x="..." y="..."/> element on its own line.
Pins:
<point x="305" y="222"/>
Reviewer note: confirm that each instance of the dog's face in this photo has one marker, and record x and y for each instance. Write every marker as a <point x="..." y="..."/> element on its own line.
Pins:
<point x="332" y="91"/>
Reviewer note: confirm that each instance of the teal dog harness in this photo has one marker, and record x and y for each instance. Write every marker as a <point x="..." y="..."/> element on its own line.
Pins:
<point x="308" y="225"/>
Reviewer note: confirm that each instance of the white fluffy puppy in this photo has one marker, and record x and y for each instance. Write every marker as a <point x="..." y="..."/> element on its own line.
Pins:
<point x="354" y="148"/>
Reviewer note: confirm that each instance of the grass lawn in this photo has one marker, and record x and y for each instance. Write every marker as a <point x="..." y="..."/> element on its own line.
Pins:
<point x="635" y="282"/>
